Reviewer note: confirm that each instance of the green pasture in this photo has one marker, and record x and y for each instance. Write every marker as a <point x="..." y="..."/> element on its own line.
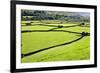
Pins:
<point x="34" y="41"/>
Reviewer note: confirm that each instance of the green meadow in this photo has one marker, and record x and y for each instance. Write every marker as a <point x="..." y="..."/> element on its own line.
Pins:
<point x="48" y="40"/>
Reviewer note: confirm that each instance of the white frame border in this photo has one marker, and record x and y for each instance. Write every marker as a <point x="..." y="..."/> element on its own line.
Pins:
<point x="20" y="65"/>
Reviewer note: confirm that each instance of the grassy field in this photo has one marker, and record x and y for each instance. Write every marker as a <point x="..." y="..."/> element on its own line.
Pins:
<point x="39" y="36"/>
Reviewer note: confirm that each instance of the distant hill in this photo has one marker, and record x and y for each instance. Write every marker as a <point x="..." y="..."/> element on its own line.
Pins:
<point x="55" y="15"/>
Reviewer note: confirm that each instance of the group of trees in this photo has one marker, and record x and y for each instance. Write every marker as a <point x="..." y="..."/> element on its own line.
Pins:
<point x="53" y="15"/>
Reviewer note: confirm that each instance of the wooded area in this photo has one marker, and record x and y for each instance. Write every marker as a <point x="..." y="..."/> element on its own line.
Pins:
<point x="54" y="15"/>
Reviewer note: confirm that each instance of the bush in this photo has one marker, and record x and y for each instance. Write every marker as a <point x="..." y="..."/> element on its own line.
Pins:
<point x="82" y="24"/>
<point x="85" y="33"/>
<point x="60" y="26"/>
<point x="28" y="24"/>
